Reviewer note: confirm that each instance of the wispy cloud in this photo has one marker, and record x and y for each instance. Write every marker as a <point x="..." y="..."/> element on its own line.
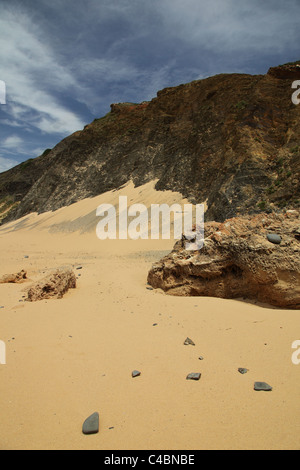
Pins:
<point x="6" y="164"/>
<point x="11" y="142"/>
<point x="65" y="62"/>
<point x="33" y="76"/>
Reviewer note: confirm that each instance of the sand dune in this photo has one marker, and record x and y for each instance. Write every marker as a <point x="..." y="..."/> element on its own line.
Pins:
<point x="66" y="359"/>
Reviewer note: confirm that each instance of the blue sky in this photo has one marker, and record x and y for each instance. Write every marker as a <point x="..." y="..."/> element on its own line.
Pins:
<point x="64" y="62"/>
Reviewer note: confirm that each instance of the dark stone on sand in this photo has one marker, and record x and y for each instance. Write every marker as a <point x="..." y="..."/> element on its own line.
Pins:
<point x="262" y="386"/>
<point x="201" y="358"/>
<point x="242" y="370"/>
<point x="273" y="238"/>
<point x="188" y="341"/>
<point x="91" y="424"/>
<point x="135" y="373"/>
<point x="193" y="376"/>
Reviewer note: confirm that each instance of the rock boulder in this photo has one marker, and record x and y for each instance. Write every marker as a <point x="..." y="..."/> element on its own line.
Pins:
<point x="238" y="261"/>
<point x="53" y="286"/>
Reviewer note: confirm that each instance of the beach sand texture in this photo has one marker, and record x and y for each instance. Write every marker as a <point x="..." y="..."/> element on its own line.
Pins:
<point x="69" y="358"/>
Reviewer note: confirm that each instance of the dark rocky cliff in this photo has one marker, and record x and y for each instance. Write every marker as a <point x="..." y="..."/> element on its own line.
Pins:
<point x="231" y="140"/>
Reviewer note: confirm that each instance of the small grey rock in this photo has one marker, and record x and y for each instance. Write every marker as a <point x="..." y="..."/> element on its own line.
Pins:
<point x="193" y="376"/>
<point x="135" y="373"/>
<point x="201" y="358"/>
<point x="149" y="288"/>
<point x="274" y="238"/>
<point x="188" y="341"/>
<point x="242" y="370"/>
<point x="91" y="424"/>
<point x="262" y="386"/>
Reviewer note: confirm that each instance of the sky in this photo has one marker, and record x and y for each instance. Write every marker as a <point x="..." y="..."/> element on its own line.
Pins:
<point x="63" y="62"/>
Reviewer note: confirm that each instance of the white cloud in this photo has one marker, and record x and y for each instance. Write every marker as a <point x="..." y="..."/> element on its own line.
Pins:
<point x="12" y="142"/>
<point x="31" y="70"/>
<point x="7" y="164"/>
<point x="11" y="123"/>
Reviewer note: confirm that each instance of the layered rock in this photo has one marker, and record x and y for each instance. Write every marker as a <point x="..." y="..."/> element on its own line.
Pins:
<point x="238" y="260"/>
<point x="231" y="140"/>
<point x="287" y="71"/>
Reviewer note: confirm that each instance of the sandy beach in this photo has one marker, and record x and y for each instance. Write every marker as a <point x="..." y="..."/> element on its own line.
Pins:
<point x="66" y="359"/>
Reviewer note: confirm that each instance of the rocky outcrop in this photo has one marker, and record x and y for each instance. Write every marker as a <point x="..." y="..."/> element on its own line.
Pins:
<point x="53" y="286"/>
<point x="287" y="71"/>
<point x="231" y="140"/>
<point x="14" y="278"/>
<point x="254" y="257"/>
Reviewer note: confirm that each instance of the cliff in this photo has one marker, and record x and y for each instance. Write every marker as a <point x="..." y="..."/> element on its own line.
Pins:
<point x="231" y="140"/>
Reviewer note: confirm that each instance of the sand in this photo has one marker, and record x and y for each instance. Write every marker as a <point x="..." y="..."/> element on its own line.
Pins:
<point x="68" y="358"/>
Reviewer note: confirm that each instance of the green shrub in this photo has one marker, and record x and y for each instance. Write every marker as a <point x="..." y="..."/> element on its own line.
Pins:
<point x="262" y="205"/>
<point x="271" y="189"/>
<point x="241" y="104"/>
<point x="46" y="152"/>
<point x="26" y="164"/>
<point x="295" y="149"/>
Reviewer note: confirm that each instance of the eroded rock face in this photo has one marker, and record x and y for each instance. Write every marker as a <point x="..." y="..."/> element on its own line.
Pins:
<point x="286" y="71"/>
<point x="14" y="278"/>
<point x="238" y="260"/>
<point x="231" y="140"/>
<point x="53" y="286"/>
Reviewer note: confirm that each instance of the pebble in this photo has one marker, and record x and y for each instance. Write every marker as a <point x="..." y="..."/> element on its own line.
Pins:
<point x="135" y="373"/>
<point x="201" y="358"/>
<point x="91" y="424"/>
<point x="262" y="386"/>
<point x="154" y="324"/>
<point x="149" y="288"/>
<point x="273" y="238"/>
<point x="193" y="376"/>
<point x="242" y="370"/>
<point x="189" y="341"/>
